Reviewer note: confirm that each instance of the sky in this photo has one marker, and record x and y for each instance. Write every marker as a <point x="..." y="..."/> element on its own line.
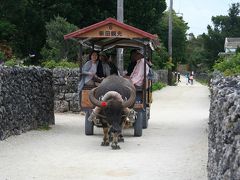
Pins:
<point x="198" y="13"/>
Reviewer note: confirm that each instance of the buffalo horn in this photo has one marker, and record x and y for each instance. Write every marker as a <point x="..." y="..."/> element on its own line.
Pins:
<point x="131" y="99"/>
<point x="93" y="99"/>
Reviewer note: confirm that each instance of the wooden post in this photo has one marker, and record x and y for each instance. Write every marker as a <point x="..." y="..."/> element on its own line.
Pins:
<point x="170" y="42"/>
<point x="80" y="60"/>
<point x="120" y="50"/>
<point x="145" y="78"/>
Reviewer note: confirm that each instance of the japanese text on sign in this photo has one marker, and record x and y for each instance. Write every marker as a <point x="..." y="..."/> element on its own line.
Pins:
<point x="110" y="33"/>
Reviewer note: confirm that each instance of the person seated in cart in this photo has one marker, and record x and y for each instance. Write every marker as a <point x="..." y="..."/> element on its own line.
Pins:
<point x="109" y="67"/>
<point x="132" y="63"/>
<point x="137" y="74"/>
<point x="92" y="71"/>
<point x="113" y="67"/>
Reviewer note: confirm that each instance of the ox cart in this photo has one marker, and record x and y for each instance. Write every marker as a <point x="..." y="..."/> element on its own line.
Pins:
<point x="106" y="35"/>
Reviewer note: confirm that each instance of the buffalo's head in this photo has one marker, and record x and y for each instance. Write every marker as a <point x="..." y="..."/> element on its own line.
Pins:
<point x="113" y="108"/>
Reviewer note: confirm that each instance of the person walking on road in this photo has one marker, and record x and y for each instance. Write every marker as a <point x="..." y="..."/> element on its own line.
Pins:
<point x="178" y="77"/>
<point x="191" y="79"/>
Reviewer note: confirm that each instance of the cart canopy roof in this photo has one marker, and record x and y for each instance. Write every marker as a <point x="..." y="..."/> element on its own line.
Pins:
<point x="111" y="33"/>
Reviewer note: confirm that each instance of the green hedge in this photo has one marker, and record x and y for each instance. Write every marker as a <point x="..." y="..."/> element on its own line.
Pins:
<point x="158" y="85"/>
<point x="63" y="64"/>
<point x="47" y="64"/>
<point x="229" y="66"/>
<point x="14" y="62"/>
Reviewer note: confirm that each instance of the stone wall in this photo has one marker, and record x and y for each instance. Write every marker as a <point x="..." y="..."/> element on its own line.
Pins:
<point x="224" y="128"/>
<point x="160" y="75"/>
<point x="29" y="96"/>
<point x="65" y="84"/>
<point x="26" y="100"/>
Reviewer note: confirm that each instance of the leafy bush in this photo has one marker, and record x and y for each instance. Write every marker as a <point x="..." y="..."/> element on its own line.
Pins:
<point x="229" y="66"/>
<point x="61" y="64"/>
<point x="158" y="85"/>
<point x="13" y="62"/>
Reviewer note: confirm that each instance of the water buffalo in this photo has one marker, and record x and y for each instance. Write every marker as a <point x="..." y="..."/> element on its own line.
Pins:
<point x="116" y="95"/>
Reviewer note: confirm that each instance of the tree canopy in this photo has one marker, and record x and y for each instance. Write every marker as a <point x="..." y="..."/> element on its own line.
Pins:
<point x="23" y="24"/>
<point x="37" y="26"/>
<point x="213" y="42"/>
<point x="179" y="37"/>
<point x="56" y="48"/>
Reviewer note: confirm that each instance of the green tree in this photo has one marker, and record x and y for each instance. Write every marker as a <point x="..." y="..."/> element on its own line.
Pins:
<point x="223" y="26"/>
<point x="7" y="30"/>
<point x="82" y="13"/>
<point x="10" y="18"/>
<point x="22" y="24"/>
<point x="179" y="36"/>
<point x="160" y="57"/>
<point x="144" y="14"/>
<point x="25" y="26"/>
<point x="55" y="48"/>
<point x="195" y="53"/>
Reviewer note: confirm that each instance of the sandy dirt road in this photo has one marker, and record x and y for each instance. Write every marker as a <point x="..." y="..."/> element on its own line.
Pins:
<point x="174" y="147"/>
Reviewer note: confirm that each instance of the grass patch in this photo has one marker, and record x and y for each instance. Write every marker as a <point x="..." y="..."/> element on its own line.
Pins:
<point x="158" y="85"/>
<point x="204" y="82"/>
<point x="44" y="127"/>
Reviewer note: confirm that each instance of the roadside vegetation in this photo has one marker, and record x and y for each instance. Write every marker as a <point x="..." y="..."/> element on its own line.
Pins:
<point x="157" y="86"/>
<point x="60" y="64"/>
<point x="44" y="127"/>
<point x="229" y="66"/>
<point x="203" y="50"/>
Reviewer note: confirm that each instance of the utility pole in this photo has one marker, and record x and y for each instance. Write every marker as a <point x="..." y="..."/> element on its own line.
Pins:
<point x="120" y="50"/>
<point x="170" y="30"/>
<point x="170" y="42"/>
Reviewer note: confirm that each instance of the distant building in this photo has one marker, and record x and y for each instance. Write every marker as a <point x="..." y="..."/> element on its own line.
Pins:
<point x="230" y="46"/>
